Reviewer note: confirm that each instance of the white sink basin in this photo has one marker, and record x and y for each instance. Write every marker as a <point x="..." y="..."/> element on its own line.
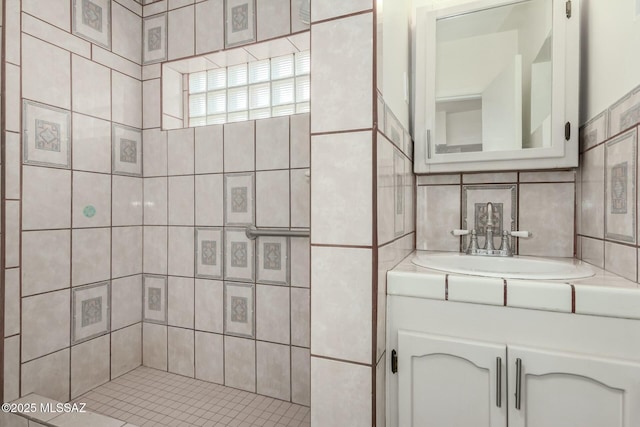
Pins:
<point x="517" y="267"/>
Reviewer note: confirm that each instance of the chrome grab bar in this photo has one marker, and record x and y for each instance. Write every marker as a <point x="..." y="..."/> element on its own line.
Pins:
<point x="253" y="232"/>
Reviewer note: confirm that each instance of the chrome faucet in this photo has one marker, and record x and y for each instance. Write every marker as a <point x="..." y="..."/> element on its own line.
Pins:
<point x="489" y="248"/>
<point x="488" y="245"/>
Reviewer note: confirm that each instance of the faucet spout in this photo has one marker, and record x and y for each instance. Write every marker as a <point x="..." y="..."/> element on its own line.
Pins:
<point x="489" y="228"/>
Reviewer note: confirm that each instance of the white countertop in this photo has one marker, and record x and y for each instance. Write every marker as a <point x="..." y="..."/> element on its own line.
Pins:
<point x="604" y="294"/>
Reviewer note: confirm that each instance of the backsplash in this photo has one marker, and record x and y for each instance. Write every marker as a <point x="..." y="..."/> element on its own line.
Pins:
<point x="218" y="306"/>
<point x="607" y="195"/>
<point x="542" y="203"/>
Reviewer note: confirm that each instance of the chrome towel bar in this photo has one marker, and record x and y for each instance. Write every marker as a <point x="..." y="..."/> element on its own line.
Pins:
<point x="253" y="232"/>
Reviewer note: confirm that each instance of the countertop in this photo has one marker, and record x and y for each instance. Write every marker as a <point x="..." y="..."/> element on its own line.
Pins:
<point x="603" y="294"/>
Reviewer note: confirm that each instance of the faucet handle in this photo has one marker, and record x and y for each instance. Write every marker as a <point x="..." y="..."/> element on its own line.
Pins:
<point x="459" y="232"/>
<point x="525" y="234"/>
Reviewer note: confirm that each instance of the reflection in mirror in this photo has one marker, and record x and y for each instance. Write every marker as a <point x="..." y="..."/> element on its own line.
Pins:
<point x="493" y="79"/>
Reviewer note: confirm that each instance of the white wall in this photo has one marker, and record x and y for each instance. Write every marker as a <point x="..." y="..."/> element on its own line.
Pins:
<point x="610" y="62"/>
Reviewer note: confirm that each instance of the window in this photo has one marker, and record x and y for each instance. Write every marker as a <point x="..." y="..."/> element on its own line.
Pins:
<point x="273" y="87"/>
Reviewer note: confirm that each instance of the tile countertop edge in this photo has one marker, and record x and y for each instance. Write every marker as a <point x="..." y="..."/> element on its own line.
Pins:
<point x="604" y="294"/>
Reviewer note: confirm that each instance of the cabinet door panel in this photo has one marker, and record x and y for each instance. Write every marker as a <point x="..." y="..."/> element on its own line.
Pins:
<point x="449" y="382"/>
<point x="567" y="390"/>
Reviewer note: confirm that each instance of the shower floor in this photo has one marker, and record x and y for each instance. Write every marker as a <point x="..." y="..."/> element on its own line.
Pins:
<point x="149" y="397"/>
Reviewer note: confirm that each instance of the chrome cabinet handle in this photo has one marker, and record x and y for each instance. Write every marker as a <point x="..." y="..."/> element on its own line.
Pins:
<point x="518" y="383"/>
<point x="499" y="382"/>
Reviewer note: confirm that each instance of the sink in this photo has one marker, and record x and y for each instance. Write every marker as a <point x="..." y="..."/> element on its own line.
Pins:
<point x="517" y="267"/>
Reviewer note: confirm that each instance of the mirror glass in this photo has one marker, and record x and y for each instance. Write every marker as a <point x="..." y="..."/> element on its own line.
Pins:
<point x="493" y="80"/>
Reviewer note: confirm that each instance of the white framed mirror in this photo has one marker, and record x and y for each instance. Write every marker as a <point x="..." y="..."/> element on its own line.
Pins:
<point x="496" y="85"/>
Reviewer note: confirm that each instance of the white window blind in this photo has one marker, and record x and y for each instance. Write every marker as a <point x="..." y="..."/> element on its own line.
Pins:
<point x="255" y="90"/>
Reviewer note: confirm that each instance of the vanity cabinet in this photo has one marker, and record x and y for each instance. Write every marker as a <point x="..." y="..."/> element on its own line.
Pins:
<point x="447" y="381"/>
<point x="465" y="364"/>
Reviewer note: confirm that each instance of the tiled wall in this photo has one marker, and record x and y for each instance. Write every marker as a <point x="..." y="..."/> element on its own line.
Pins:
<point x="218" y="306"/>
<point x="342" y="215"/>
<point x="73" y="197"/>
<point x="542" y="203"/>
<point x="607" y="195"/>
<point x="395" y="224"/>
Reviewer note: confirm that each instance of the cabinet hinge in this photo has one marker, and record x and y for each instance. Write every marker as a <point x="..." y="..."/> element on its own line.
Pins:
<point x="567" y="131"/>
<point x="394" y="361"/>
<point x="568" y="8"/>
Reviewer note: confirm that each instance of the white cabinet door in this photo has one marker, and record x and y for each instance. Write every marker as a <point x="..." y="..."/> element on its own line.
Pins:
<point x="567" y="390"/>
<point x="447" y="382"/>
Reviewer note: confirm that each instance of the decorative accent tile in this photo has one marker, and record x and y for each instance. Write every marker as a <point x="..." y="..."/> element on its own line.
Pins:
<point x="154" y="298"/>
<point x="209" y="253"/>
<point x="154" y="39"/>
<point x="620" y="187"/>
<point x="481" y="218"/>
<point x="503" y="195"/>
<point x="90" y="305"/>
<point x="625" y="113"/>
<point x="398" y="192"/>
<point x="239" y="195"/>
<point x="127" y="150"/>
<point x="393" y="129"/>
<point x="240" y="22"/>
<point x="238" y="256"/>
<point x="47" y="135"/>
<point x="595" y="131"/>
<point x="92" y="21"/>
<point x="273" y="260"/>
<point x="239" y="309"/>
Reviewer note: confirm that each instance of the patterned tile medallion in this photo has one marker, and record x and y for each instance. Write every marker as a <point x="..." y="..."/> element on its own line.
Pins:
<point x="239" y="309"/>
<point x="625" y="113"/>
<point x="481" y="218"/>
<point x="620" y="187"/>
<point x="502" y="195"/>
<point x="273" y="260"/>
<point x="239" y="255"/>
<point x="90" y="307"/>
<point x="127" y="150"/>
<point x="154" y="44"/>
<point x="92" y="21"/>
<point x="154" y="298"/>
<point x="209" y="253"/>
<point x="46" y="135"/>
<point x="239" y="196"/>
<point x="240" y="22"/>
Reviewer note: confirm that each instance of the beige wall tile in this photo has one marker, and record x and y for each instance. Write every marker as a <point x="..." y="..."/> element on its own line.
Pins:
<point x="345" y="388"/>
<point x="239" y="150"/>
<point x="45" y="261"/>
<point x="333" y="111"/>
<point x="273" y="18"/>
<point x="51" y="84"/>
<point x="621" y="260"/>
<point x="156" y="194"/>
<point x="209" y="357"/>
<point x="209" y="26"/>
<point x="91" y="86"/>
<point x="126" y="301"/>
<point x="126" y="349"/>
<point x="209" y="310"/>
<point x="341" y="329"/>
<point x="438" y="213"/>
<point x="126" y="98"/>
<point x="547" y="211"/>
<point x="46" y="198"/>
<point x="126" y="200"/>
<point x="341" y="189"/>
<point x="181" y="251"/>
<point x="181" y="151"/>
<point x="209" y="200"/>
<point x="91" y="190"/>
<point x="273" y="367"/>
<point x="272" y="314"/>
<point x="47" y="376"/>
<point x="91" y="144"/>
<point x="181" y="351"/>
<point x="126" y="251"/>
<point x="91" y="255"/>
<point x="126" y="33"/>
<point x="155" y="152"/>
<point x="593" y="193"/>
<point x="272" y="199"/>
<point x="11" y="368"/>
<point x="300" y="317"/>
<point x="209" y="142"/>
<point x="155" y="250"/>
<point x="154" y="346"/>
<point x="272" y="143"/>
<point x="181" y="200"/>
<point x="321" y="10"/>
<point x="300" y="376"/>
<point x="180" y="302"/>
<point x="240" y="362"/>
<point x="181" y="32"/>
<point x="89" y="365"/>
